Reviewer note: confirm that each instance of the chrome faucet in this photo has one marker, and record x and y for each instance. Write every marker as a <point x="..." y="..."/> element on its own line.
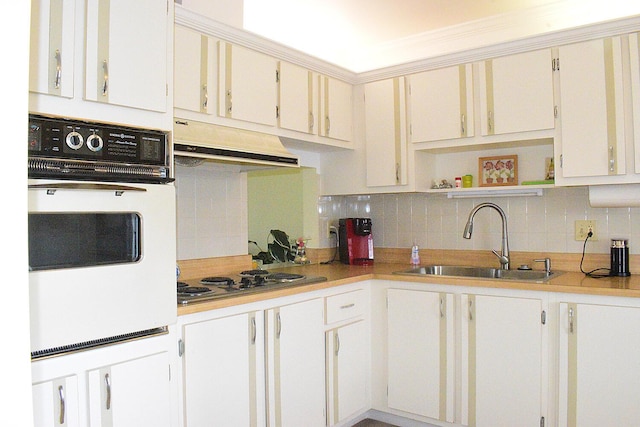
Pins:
<point x="503" y="256"/>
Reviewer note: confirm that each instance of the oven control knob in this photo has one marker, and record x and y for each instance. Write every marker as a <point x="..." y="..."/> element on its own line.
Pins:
<point x="74" y="140"/>
<point x="94" y="142"/>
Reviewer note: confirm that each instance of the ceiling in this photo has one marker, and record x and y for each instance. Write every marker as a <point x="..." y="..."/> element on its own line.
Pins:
<point x="348" y="33"/>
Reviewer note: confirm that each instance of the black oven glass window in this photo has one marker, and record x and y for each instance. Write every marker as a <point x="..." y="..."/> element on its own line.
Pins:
<point x="71" y="240"/>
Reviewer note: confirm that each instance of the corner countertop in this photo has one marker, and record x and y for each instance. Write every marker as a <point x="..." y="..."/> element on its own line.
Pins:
<point x="340" y="274"/>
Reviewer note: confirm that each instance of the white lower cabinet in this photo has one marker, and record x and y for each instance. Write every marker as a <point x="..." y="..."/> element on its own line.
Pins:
<point x="220" y="364"/>
<point x="295" y="364"/>
<point x="131" y="394"/>
<point x="123" y="385"/>
<point x="599" y="365"/>
<point x="502" y="360"/>
<point x="55" y="402"/>
<point x="420" y="340"/>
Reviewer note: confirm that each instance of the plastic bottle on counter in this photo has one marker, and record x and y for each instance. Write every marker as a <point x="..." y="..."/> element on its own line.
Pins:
<point x="415" y="255"/>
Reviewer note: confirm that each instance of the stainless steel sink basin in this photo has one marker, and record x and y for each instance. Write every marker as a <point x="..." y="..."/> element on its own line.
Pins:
<point x="479" y="272"/>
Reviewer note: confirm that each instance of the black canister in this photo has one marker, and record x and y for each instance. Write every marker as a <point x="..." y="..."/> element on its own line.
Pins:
<point x="619" y="257"/>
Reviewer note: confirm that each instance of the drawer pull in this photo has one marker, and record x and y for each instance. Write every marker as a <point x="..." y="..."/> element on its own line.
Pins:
<point x="342" y="307"/>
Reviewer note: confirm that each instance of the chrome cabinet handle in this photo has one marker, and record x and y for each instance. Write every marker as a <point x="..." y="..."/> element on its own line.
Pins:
<point x="463" y="123"/>
<point x="571" y="320"/>
<point x="490" y="121"/>
<point x="58" y="78"/>
<point x="328" y="124"/>
<point x="310" y="121"/>
<point x="62" y="404"/>
<point x="105" y="85"/>
<point x="612" y="160"/>
<point x="278" y="325"/>
<point x="470" y="310"/>
<point x="397" y="173"/>
<point x="253" y="330"/>
<point x="229" y="101"/>
<point x="205" y="96"/>
<point x="441" y="307"/>
<point x="342" y="307"/>
<point x="107" y="383"/>
<point x="337" y="343"/>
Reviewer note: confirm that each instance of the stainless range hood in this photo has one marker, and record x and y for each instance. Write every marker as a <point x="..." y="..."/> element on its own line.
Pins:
<point x="229" y="145"/>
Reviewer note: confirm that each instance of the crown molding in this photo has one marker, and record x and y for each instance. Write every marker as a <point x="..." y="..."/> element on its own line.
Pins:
<point x="559" y="23"/>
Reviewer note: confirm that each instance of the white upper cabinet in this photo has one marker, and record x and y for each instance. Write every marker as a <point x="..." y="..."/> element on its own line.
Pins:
<point x="247" y="82"/>
<point x="336" y="103"/>
<point x="592" y="139"/>
<point x="517" y="93"/>
<point x="126" y="52"/>
<point x="385" y="133"/>
<point x="195" y="71"/>
<point x="634" y="61"/>
<point x="296" y="106"/>
<point x="441" y="104"/>
<point x="51" y="49"/>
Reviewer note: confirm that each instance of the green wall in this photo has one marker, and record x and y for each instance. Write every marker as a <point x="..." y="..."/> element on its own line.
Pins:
<point x="282" y="199"/>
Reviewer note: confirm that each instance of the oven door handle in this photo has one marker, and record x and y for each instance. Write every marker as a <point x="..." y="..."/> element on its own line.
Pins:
<point x="53" y="187"/>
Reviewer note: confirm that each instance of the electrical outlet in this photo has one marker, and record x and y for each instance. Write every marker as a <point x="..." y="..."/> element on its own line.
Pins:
<point x="583" y="227"/>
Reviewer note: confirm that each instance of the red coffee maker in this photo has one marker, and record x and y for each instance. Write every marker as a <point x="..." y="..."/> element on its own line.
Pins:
<point x="355" y="241"/>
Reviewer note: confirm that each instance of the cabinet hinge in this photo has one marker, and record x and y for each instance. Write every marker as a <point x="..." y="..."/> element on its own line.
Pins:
<point x="543" y="317"/>
<point x="180" y="348"/>
<point x="555" y="64"/>
<point x="555" y="111"/>
<point x="541" y="421"/>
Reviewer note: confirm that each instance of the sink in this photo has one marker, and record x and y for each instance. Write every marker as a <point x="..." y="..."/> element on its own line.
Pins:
<point x="479" y="272"/>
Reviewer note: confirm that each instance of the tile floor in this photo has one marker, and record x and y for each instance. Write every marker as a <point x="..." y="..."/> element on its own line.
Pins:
<point x="372" y="423"/>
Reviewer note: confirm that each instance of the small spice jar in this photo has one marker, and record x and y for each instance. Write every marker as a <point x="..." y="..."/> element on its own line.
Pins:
<point x="458" y="182"/>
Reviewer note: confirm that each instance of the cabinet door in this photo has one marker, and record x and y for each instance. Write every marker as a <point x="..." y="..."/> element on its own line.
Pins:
<point x="131" y="394"/>
<point x="126" y="53"/>
<point x="295" y="363"/>
<point x="248" y="90"/>
<point x="421" y="353"/>
<point x="502" y="354"/>
<point x="220" y="372"/>
<point x="296" y="100"/>
<point x="518" y="93"/>
<point x="385" y="133"/>
<point x="55" y="403"/>
<point x="195" y="71"/>
<point x="346" y="371"/>
<point x="634" y="61"/>
<point x="441" y="104"/>
<point x="51" y="49"/>
<point x="591" y="109"/>
<point x="336" y="106"/>
<point x="599" y="375"/>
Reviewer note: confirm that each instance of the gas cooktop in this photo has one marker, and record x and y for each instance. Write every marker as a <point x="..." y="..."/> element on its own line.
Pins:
<point x="246" y="282"/>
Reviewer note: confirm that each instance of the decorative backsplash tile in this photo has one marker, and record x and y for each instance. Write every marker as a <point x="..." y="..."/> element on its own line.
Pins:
<point x="433" y="221"/>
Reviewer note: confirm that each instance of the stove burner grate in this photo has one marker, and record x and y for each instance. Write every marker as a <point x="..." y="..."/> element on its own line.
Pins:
<point x="217" y="281"/>
<point x="284" y="277"/>
<point x="253" y="273"/>
<point x="182" y="285"/>
<point x="194" y="290"/>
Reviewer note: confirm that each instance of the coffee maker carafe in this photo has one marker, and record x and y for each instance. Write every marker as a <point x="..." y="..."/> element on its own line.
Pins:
<point x="355" y="241"/>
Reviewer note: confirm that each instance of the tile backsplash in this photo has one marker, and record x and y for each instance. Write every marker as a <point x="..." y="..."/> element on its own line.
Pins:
<point x="536" y="223"/>
<point x="211" y="211"/>
<point x="212" y="218"/>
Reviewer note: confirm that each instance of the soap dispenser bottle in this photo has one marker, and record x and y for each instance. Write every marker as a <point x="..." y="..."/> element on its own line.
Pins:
<point x="415" y="255"/>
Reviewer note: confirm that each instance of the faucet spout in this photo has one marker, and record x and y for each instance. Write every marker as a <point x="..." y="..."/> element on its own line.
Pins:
<point x="503" y="256"/>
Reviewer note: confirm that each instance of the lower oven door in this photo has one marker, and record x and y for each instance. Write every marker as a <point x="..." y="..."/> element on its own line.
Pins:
<point x="102" y="261"/>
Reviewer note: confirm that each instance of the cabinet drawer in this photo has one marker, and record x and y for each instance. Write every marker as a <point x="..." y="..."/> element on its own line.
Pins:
<point x="344" y="306"/>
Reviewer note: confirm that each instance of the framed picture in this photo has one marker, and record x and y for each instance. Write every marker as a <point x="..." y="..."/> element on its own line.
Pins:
<point x="498" y="170"/>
